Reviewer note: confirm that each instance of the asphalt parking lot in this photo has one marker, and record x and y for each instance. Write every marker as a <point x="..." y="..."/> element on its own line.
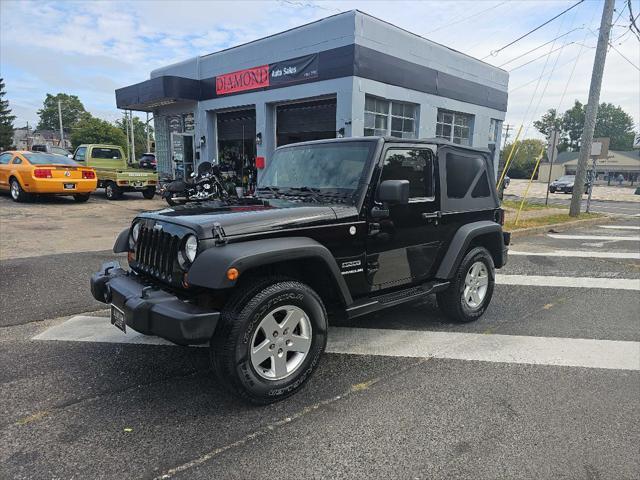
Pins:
<point x="545" y="385"/>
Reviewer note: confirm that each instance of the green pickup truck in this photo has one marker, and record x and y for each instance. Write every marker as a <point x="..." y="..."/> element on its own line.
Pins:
<point x="115" y="175"/>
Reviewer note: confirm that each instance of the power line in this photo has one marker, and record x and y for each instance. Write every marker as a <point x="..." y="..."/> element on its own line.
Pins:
<point x="495" y="52"/>
<point x="465" y="18"/>
<point x="631" y="19"/>
<point x="552" y="51"/>
<point x="540" y="46"/>
<point x="628" y="61"/>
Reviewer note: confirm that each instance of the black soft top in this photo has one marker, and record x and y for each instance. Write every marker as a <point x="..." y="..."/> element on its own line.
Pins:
<point x="412" y="141"/>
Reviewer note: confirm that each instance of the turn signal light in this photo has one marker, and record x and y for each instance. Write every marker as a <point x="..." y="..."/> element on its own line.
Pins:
<point x="233" y="274"/>
<point x="42" y="173"/>
<point x="88" y="174"/>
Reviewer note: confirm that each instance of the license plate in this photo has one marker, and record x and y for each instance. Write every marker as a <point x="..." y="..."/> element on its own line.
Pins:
<point x="69" y="186"/>
<point x="117" y="318"/>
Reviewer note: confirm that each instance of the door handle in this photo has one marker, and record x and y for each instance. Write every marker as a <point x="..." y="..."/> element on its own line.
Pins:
<point x="432" y="215"/>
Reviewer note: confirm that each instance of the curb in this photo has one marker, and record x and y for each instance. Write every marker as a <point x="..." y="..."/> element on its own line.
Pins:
<point x="524" y="232"/>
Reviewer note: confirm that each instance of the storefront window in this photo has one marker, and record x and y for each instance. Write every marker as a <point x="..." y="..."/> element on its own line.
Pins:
<point x="494" y="129"/>
<point x="454" y="126"/>
<point x="389" y="118"/>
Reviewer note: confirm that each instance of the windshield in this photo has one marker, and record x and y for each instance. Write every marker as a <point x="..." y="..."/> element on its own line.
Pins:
<point x="337" y="167"/>
<point x="48" y="159"/>
<point x="110" y="153"/>
<point x="59" y="151"/>
<point x="566" y="178"/>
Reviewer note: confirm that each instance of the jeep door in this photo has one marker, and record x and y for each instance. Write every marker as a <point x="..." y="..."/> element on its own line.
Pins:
<point x="404" y="240"/>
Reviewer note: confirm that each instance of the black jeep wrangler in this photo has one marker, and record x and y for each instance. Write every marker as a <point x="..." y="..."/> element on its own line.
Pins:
<point x="356" y="224"/>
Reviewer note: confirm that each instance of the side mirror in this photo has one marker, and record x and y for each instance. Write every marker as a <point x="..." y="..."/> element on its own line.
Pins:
<point x="394" y="192"/>
<point x="69" y="155"/>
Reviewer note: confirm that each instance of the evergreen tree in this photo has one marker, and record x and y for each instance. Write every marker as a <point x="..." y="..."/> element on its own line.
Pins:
<point x="6" y="120"/>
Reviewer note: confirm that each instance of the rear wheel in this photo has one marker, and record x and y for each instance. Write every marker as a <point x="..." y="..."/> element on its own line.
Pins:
<point x="82" y="197"/>
<point x="149" y="192"/>
<point x="269" y="339"/>
<point x="17" y="193"/>
<point x="112" y="191"/>
<point x="471" y="288"/>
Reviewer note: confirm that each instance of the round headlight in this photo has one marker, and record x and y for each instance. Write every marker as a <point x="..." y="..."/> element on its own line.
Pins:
<point x="135" y="232"/>
<point x="190" y="248"/>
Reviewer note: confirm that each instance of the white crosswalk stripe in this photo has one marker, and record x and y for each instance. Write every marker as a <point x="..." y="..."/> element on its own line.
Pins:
<point x="620" y="227"/>
<point x="629" y="238"/>
<point x="570" y="352"/>
<point x="579" y="254"/>
<point x="570" y="282"/>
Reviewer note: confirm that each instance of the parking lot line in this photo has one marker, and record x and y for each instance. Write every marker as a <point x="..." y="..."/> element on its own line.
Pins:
<point x="630" y="238"/>
<point x="571" y="282"/>
<point x="589" y="353"/>
<point x="620" y="227"/>
<point x="579" y="254"/>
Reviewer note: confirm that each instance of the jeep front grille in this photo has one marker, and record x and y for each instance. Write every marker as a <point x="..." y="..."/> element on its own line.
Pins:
<point x="157" y="253"/>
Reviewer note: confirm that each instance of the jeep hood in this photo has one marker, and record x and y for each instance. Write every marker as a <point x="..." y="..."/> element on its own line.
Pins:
<point x="244" y="219"/>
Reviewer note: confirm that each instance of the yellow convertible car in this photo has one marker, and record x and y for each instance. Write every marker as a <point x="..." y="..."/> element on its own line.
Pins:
<point x="24" y="174"/>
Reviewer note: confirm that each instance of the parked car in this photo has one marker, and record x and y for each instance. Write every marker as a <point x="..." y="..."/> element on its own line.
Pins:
<point x="148" y="160"/>
<point x="24" y="174"/>
<point x="352" y="224"/>
<point x="115" y="175"/>
<point x="51" y="149"/>
<point x="565" y="183"/>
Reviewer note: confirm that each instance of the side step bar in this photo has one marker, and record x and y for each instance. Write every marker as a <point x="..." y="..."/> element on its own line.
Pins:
<point x="398" y="297"/>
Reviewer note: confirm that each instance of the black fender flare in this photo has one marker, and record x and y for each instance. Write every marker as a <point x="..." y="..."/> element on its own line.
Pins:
<point x="209" y="269"/>
<point x="460" y="244"/>
<point x="122" y="242"/>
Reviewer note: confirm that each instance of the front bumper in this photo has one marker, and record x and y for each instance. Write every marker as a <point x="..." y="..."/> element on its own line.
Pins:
<point x="150" y="310"/>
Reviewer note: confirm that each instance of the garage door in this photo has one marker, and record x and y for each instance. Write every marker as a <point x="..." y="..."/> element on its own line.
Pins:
<point x="301" y="122"/>
<point x="237" y="125"/>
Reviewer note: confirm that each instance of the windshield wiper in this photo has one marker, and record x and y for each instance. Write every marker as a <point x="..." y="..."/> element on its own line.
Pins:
<point x="312" y="192"/>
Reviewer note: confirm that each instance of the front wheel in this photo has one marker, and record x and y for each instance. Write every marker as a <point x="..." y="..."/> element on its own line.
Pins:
<point x="112" y="191"/>
<point x="269" y="339"/>
<point x="149" y="192"/>
<point x="471" y="288"/>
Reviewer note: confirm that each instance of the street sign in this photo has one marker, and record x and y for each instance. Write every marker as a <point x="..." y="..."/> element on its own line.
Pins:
<point x="600" y="147"/>
<point x="553" y="140"/>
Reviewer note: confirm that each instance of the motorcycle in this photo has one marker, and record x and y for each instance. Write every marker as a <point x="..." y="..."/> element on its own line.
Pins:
<point x="204" y="185"/>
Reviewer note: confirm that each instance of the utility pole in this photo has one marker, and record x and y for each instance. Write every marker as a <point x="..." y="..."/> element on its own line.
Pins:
<point x="506" y="127"/>
<point x="592" y="107"/>
<point x="133" y="140"/>
<point x="60" y="119"/>
<point x="148" y="139"/>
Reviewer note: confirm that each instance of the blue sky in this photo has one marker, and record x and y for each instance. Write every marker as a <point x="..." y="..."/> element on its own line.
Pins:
<point x="91" y="48"/>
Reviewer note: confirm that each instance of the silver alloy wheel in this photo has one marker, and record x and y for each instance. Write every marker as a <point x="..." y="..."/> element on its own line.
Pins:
<point x="15" y="190"/>
<point x="476" y="284"/>
<point x="281" y="342"/>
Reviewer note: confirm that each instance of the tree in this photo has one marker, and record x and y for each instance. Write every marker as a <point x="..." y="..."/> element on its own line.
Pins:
<point x="612" y="122"/>
<point x="6" y="120"/>
<point x="525" y="157"/>
<point x="95" y="130"/>
<point x="72" y="112"/>
<point x="615" y="123"/>
<point x="139" y="133"/>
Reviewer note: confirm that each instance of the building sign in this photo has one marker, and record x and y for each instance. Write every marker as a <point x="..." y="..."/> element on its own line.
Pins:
<point x="294" y="70"/>
<point x="276" y="74"/>
<point x="189" y="122"/>
<point x="175" y="124"/>
<point x="242" y="80"/>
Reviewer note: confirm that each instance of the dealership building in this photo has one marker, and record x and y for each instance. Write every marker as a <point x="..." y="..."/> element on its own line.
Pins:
<point x="346" y="75"/>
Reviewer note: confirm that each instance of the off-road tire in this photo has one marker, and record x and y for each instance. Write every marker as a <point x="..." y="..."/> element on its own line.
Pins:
<point x="149" y="192"/>
<point x="452" y="302"/>
<point x="17" y="192"/>
<point x="112" y="191"/>
<point x="81" y="197"/>
<point x="241" y="316"/>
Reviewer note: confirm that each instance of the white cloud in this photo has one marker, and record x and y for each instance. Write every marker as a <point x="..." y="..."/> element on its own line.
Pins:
<point x="91" y="48"/>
